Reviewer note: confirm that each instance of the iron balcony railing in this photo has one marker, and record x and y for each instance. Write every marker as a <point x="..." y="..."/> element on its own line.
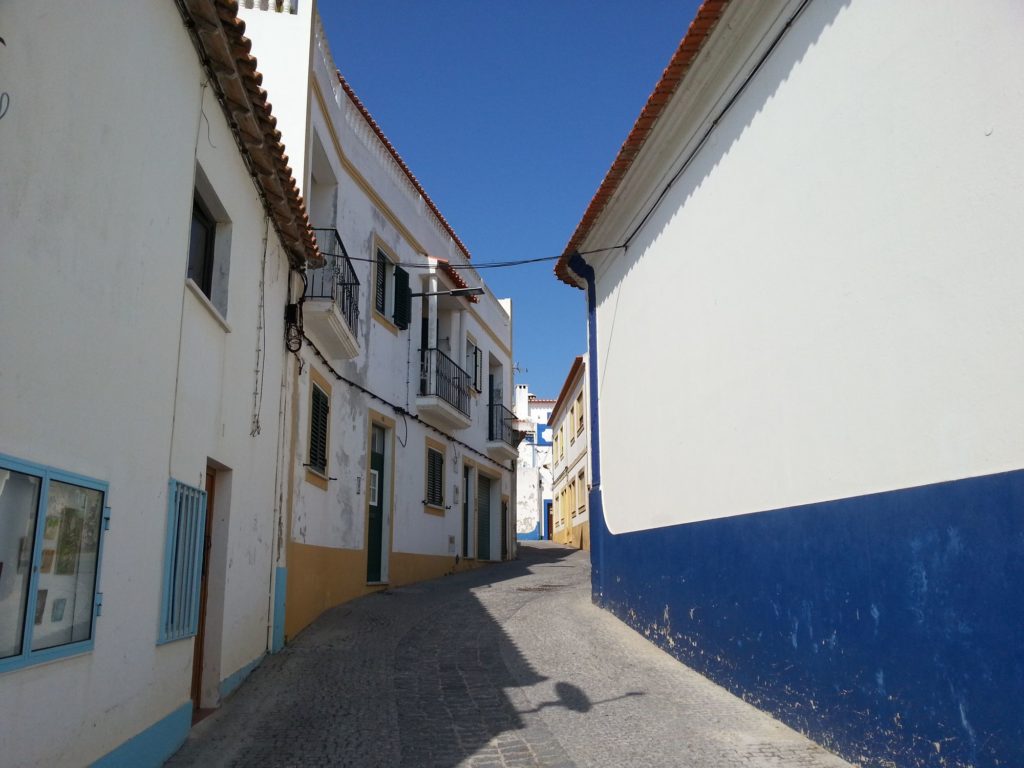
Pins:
<point x="281" y="6"/>
<point x="440" y="376"/>
<point x="336" y="279"/>
<point x="499" y="423"/>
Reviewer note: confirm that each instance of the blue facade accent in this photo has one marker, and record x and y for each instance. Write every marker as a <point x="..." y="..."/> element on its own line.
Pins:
<point x="280" y="591"/>
<point x="153" y="746"/>
<point x="183" y="562"/>
<point x="232" y="681"/>
<point x="46" y="474"/>
<point x="887" y="627"/>
<point x="533" y="535"/>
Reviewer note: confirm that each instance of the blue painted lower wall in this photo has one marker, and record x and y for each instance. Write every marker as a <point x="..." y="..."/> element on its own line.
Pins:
<point x="153" y="746"/>
<point x="887" y="627"/>
<point x="533" y="535"/>
<point x="232" y="681"/>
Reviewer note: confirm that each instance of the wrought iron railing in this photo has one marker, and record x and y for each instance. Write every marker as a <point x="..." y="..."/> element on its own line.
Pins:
<point x="336" y="279"/>
<point x="499" y="423"/>
<point x="281" y="6"/>
<point x="440" y="376"/>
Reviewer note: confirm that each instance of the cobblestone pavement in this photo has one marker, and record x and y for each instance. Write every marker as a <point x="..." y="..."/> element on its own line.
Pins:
<point x="509" y="666"/>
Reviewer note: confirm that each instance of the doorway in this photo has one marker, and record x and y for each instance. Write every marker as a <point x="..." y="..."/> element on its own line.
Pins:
<point x="546" y="533"/>
<point x="198" y="652"/>
<point x="376" y="504"/>
<point x="483" y="517"/>
<point x="466" y="501"/>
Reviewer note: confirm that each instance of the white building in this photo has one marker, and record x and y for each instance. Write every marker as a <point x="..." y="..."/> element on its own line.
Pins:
<point x="151" y="228"/>
<point x="533" y="467"/>
<point x="809" y="269"/>
<point x="400" y="456"/>
<point x="570" y="459"/>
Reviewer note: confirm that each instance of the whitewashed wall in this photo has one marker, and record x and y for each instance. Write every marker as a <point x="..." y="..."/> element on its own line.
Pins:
<point x="344" y="150"/>
<point x="833" y="281"/>
<point x="96" y="153"/>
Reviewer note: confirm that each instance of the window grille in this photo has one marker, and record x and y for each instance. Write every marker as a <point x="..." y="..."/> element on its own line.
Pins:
<point x="183" y="562"/>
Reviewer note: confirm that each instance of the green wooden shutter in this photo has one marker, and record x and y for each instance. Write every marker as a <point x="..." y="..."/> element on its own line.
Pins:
<point x="435" y="477"/>
<point x="318" y="430"/>
<point x="403" y="299"/>
<point x="380" y="282"/>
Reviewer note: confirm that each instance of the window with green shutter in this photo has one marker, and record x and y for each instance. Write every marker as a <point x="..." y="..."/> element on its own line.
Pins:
<point x="318" y="426"/>
<point x="380" y="298"/>
<point x="435" y="478"/>
<point x="403" y="299"/>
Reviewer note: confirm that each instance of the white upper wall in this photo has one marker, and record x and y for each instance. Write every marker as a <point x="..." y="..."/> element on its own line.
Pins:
<point x="826" y="303"/>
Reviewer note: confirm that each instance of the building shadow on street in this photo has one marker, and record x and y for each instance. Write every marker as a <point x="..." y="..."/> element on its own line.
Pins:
<point x="417" y="676"/>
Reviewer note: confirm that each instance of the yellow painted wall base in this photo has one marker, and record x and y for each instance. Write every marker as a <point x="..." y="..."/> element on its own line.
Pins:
<point x="323" y="577"/>
<point x="578" y="537"/>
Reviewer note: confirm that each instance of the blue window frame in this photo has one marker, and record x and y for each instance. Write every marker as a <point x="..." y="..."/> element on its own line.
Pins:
<point x="183" y="562"/>
<point x="51" y="546"/>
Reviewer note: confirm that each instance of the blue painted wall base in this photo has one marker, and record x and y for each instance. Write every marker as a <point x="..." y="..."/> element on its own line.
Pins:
<point x="887" y="627"/>
<point x="280" y="591"/>
<point x="232" y="681"/>
<point x="153" y="746"/>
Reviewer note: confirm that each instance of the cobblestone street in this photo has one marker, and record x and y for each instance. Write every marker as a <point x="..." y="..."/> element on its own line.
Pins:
<point x="507" y="666"/>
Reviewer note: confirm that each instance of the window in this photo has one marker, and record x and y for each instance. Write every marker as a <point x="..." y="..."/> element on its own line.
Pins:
<point x="581" y="493"/>
<point x="183" y="562"/>
<point x="572" y="497"/>
<point x="51" y="531"/>
<point x="200" y="248"/>
<point x="209" y="246"/>
<point x="319" y="424"/>
<point x="579" y="413"/>
<point x="380" y="282"/>
<point x="435" y="478"/>
<point x="474" y="364"/>
<point x="572" y="422"/>
<point x="392" y="296"/>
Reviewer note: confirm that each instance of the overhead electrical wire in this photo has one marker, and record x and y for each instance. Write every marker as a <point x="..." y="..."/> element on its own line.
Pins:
<point x="481" y="265"/>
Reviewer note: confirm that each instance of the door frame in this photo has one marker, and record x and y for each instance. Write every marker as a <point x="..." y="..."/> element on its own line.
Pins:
<point x="387" y="486"/>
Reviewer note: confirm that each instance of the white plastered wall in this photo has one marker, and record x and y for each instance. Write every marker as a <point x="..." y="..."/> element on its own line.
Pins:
<point x="826" y="304"/>
<point x="97" y="166"/>
<point x="388" y="361"/>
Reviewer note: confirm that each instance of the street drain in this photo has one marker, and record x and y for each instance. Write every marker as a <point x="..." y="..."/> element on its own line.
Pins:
<point x="541" y="588"/>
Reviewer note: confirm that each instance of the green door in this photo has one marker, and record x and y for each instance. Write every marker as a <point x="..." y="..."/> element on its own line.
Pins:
<point x="465" y="510"/>
<point x="375" y="534"/>
<point x="483" y="517"/>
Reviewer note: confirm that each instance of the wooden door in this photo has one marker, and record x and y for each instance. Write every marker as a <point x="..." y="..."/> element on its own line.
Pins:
<point x="466" y="501"/>
<point x="483" y="517"/>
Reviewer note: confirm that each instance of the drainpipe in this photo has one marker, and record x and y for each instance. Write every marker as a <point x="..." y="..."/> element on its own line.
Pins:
<point x="598" y="531"/>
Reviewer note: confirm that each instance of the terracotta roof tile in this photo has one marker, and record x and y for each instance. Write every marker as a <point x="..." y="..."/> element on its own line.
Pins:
<point x="219" y="37"/>
<point x="708" y="15"/>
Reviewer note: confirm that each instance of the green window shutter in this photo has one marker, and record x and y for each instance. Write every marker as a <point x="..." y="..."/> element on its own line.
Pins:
<point x="403" y="299"/>
<point x="435" y="477"/>
<point x="380" y="282"/>
<point x="318" y="430"/>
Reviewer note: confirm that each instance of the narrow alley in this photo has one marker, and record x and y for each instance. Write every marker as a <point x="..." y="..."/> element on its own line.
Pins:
<point x="506" y="666"/>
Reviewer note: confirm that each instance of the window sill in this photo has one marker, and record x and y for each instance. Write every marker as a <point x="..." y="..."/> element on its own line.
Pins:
<point x="47" y="656"/>
<point x="434" y="509"/>
<point x="383" y="320"/>
<point x="205" y="301"/>
<point x="313" y="477"/>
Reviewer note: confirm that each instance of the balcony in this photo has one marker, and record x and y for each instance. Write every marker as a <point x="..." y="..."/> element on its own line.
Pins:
<point x="330" y="312"/>
<point x="444" y="390"/>
<point x="501" y="437"/>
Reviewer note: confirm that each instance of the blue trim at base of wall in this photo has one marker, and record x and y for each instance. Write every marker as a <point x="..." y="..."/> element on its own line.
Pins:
<point x="887" y="627"/>
<point x="533" y="535"/>
<point x="232" y="681"/>
<point x="280" y="591"/>
<point x="153" y="746"/>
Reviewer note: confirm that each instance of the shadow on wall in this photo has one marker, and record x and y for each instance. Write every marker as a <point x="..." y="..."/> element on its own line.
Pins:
<point x="412" y="677"/>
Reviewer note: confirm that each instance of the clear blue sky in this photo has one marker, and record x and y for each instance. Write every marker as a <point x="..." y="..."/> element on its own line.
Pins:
<point x="510" y="113"/>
